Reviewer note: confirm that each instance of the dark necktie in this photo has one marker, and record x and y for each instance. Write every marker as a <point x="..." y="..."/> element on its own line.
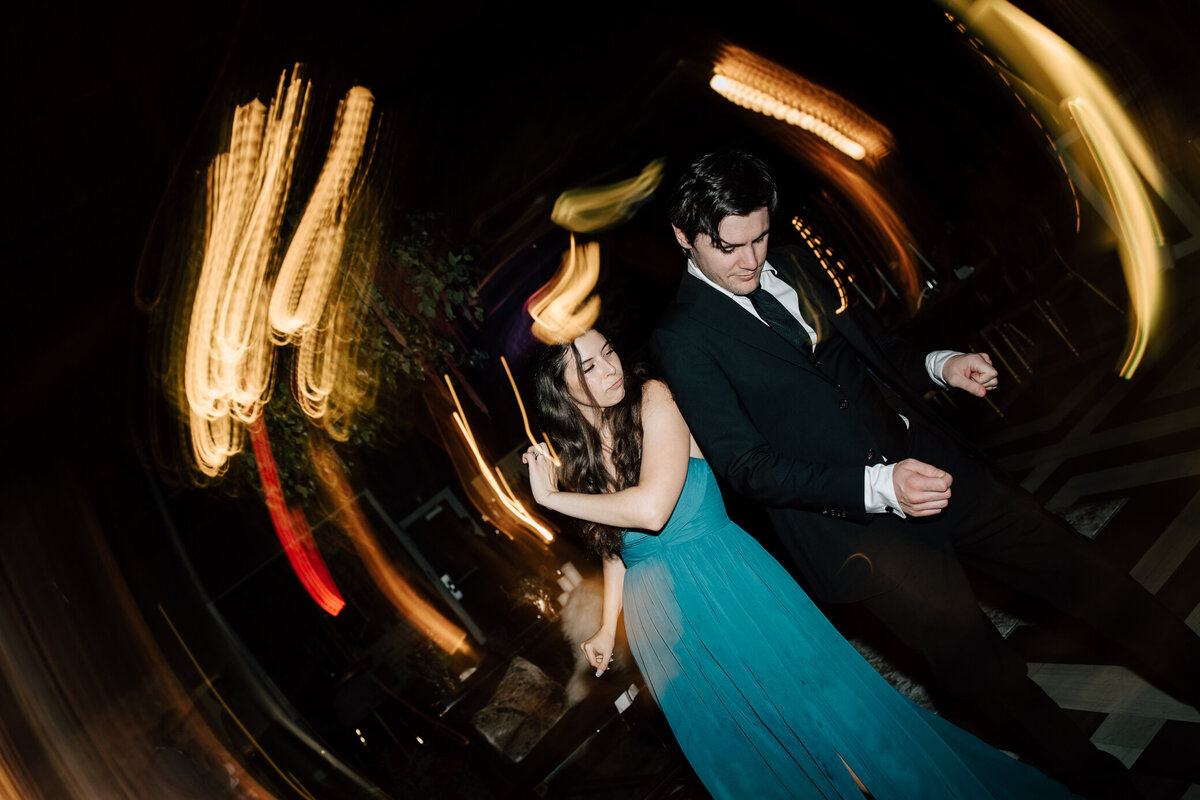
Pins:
<point x="783" y="323"/>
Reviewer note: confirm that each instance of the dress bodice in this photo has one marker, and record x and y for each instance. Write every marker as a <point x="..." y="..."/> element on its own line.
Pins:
<point x="698" y="512"/>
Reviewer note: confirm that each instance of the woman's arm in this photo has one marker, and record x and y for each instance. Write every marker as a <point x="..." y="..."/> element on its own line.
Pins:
<point x="598" y="649"/>
<point x="647" y="506"/>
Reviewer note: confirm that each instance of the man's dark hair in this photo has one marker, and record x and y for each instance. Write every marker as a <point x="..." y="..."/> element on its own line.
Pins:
<point x="717" y="185"/>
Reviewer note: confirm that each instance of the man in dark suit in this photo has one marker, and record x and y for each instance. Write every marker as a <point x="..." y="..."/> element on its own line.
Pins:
<point x="812" y="408"/>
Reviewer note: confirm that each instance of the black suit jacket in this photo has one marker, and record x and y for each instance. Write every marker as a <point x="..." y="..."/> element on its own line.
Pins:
<point x="779" y="432"/>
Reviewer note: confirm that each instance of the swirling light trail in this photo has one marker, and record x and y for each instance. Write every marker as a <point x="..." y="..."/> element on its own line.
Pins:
<point x="502" y="492"/>
<point x="1120" y="159"/>
<point x="561" y="309"/>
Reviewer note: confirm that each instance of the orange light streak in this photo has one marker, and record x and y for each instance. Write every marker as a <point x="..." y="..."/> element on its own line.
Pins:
<point x="503" y="494"/>
<point x="292" y="529"/>
<point x="525" y="417"/>
<point x="561" y="309"/>
<point x="754" y="83"/>
<point x="814" y="244"/>
<point x="427" y="619"/>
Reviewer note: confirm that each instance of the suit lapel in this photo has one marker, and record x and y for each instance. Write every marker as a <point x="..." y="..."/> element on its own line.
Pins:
<point x="717" y="311"/>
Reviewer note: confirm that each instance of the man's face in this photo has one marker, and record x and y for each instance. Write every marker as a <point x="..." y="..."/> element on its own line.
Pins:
<point x="736" y="266"/>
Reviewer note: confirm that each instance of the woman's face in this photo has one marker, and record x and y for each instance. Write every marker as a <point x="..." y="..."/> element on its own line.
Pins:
<point x="602" y="372"/>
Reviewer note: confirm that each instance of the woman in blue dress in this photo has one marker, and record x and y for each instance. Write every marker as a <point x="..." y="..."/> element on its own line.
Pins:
<point x="765" y="698"/>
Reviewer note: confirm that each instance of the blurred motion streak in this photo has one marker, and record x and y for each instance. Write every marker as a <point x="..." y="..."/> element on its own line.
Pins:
<point x="293" y="530"/>
<point x="525" y="417"/>
<point x="288" y="777"/>
<point x="1120" y="158"/>
<point x="501" y="491"/>
<point x="561" y="309"/>
<point x="594" y="209"/>
<point x="306" y="308"/>
<point x="838" y="128"/>
<point x="978" y="45"/>
<point x="824" y="255"/>
<point x="228" y="355"/>
<point x="318" y="297"/>
<point x="403" y="597"/>
<point x="753" y="82"/>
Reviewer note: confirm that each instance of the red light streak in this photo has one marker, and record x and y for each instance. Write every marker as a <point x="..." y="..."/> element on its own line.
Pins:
<point x="292" y="529"/>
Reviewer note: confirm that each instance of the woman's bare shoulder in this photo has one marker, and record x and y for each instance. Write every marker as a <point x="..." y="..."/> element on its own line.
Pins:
<point x="655" y="391"/>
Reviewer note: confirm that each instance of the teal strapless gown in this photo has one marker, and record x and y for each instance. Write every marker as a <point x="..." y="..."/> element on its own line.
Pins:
<point x="764" y="696"/>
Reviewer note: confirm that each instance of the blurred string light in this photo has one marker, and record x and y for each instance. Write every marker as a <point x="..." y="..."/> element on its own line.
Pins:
<point x="305" y="307"/>
<point x="242" y="309"/>
<point x="833" y="267"/>
<point x="1121" y="160"/>
<point x="492" y="476"/>
<point x="293" y="530"/>
<point x="823" y="129"/>
<point x="228" y="354"/>
<point x="562" y="309"/>
<point x="593" y="209"/>
<point x="415" y="608"/>
<point x="754" y="83"/>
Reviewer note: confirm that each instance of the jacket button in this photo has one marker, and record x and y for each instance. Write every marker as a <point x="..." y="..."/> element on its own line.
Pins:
<point x="843" y="404"/>
<point x="870" y="454"/>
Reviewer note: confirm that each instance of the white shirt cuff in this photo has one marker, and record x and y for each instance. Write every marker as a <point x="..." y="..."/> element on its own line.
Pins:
<point x="879" y="493"/>
<point x="935" y="362"/>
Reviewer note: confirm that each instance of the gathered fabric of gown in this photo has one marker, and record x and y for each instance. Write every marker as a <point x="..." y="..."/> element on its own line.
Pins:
<point x="764" y="696"/>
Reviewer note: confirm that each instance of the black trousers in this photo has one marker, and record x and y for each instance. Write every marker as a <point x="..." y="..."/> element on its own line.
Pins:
<point x="996" y="528"/>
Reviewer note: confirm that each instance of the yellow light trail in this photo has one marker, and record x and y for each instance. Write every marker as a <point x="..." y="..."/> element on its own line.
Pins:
<point x="503" y="494"/>
<point x="228" y="355"/>
<point x="525" y="417"/>
<point x="594" y="209"/>
<point x="814" y="244"/>
<point x="1121" y="160"/>
<point x="287" y="777"/>
<point x="561" y="309"/>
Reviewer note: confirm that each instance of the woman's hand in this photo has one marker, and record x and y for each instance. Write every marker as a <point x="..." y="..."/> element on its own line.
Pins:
<point x="598" y="650"/>
<point x="543" y="477"/>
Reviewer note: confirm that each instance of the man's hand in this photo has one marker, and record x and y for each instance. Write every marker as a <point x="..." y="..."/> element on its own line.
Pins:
<point x="921" y="489"/>
<point x="971" y="372"/>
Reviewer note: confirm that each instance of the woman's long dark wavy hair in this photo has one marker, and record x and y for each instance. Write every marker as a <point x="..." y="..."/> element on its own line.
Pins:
<point x="577" y="442"/>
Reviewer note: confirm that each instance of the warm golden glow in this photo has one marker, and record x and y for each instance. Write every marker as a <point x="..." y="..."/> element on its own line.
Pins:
<point x="1140" y="241"/>
<point x="228" y="358"/>
<point x="600" y="207"/>
<point x="241" y="309"/>
<point x="839" y="276"/>
<point x="562" y="310"/>
<point x="776" y="92"/>
<point x="525" y="417"/>
<point x="500" y="488"/>
<point x="398" y="591"/>
<point x="1118" y="157"/>
<point x="308" y="305"/>
<point x="754" y="83"/>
